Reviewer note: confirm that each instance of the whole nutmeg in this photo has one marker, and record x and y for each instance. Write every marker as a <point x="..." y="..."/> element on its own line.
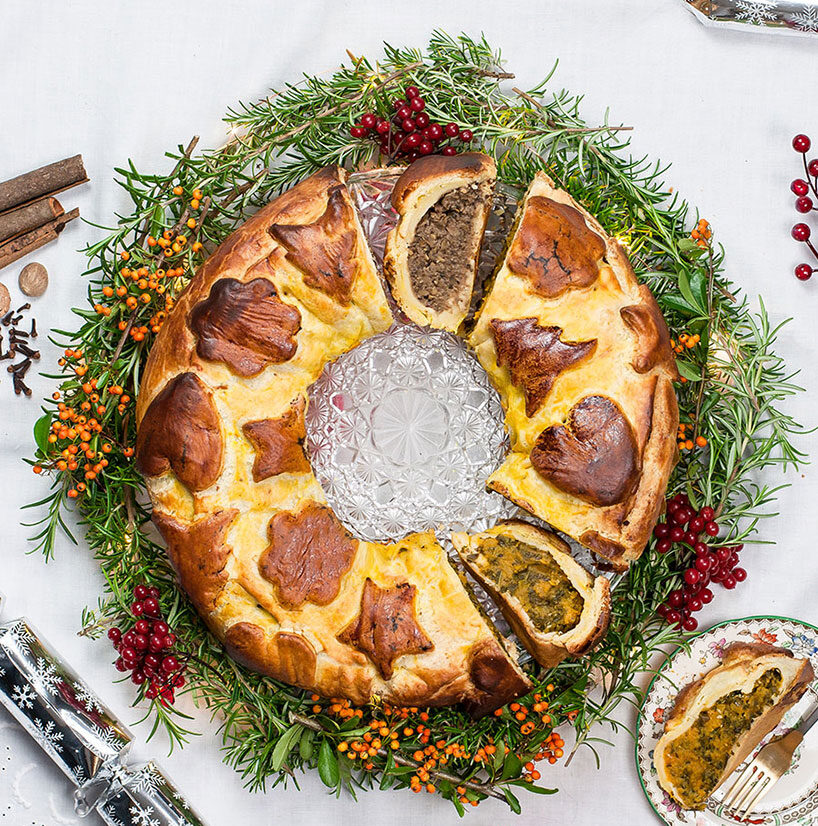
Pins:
<point x="5" y="300"/>
<point x="33" y="279"/>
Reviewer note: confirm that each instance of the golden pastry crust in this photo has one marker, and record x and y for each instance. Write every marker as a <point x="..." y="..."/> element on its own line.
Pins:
<point x="549" y="648"/>
<point x="743" y="664"/>
<point x="418" y="189"/>
<point x="592" y="436"/>
<point x="275" y="576"/>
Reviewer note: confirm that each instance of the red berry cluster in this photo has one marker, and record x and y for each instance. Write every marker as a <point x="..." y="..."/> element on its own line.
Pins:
<point x="146" y="648"/>
<point x="802" y="187"/>
<point x="410" y="132"/>
<point x="685" y="525"/>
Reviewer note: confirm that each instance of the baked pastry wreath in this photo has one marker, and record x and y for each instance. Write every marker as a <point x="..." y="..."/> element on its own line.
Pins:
<point x="264" y="559"/>
<point x="221" y="426"/>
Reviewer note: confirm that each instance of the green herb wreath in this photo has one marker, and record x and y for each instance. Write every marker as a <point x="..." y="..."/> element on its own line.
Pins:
<point x="732" y="384"/>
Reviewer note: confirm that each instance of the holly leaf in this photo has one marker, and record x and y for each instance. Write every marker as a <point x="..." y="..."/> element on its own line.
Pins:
<point x="512" y="801"/>
<point x="533" y="788"/>
<point x="698" y="286"/>
<point x="688" y="370"/>
<point x="512" y="766"/>
<point x="387" y="778"/>
<point x="687" y="292"/>
<point x="157" y="220"/>
<point x="678" y="304"/>
<point x="305" y="745"/>
<point x="41" y="429"/>
<point x="284" y="746"/>
<point x="328" y="765"/>
<point x="499" y="755"/>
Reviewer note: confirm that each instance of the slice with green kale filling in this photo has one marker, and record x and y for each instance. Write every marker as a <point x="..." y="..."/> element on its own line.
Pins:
<point x="718" y="720"/>
<point x="555" y="607"/>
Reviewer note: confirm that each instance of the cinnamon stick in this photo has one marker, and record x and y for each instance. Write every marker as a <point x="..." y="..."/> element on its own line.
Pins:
<point x="41" y="183"/>
<point x="22" y="220"/>
<point x="16" y="248"/>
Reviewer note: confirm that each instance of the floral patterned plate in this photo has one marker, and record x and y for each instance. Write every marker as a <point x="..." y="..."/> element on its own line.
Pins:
<point x="794" y="799"/>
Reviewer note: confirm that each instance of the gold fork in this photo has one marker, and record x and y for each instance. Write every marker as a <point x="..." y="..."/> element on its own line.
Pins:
<point x="765" y="769"/>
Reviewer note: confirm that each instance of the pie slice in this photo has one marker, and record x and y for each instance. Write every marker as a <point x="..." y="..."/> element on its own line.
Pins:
<point x="718" y="720"/>
<point x="552" y="603"/>
<point x="432" y="254"/>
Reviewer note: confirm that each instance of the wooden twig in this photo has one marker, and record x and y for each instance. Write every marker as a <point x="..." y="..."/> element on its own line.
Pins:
<point x="123" y="338"/>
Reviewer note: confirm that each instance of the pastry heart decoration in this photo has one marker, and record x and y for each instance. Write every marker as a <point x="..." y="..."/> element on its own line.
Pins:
<point x="594" y="457"/>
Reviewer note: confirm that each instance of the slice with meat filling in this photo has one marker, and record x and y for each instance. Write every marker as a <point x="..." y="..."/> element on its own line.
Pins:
<point x="432" y="254"/>
<point x="554" y="605"/>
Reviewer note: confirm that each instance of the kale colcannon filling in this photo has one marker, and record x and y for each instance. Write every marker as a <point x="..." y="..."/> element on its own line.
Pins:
<point x="534" y="578"/>
<point x="696" y="760"/>
<point x="445" y="245"/>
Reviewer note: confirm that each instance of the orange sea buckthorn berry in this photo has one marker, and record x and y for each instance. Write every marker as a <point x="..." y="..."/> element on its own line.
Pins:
<point x="177" y="190"/>
<point x="131" y="303"/>
<point x="124" y="255"/>
<point x="72" y="494"/>
<point x="151" y="241"/>
<point x="191" y="223"/>
<point x="701" y="441"/>
<point x="196" y="246"/>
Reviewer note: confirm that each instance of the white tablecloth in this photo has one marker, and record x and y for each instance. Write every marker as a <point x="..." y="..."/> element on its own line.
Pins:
<point x="120" y="80"/>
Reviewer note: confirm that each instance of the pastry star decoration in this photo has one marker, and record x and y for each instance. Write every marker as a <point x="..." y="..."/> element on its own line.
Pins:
<point x="386" y="628"/>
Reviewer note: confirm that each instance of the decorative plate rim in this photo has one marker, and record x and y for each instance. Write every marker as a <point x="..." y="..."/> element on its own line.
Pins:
<point x="672" y="655"/>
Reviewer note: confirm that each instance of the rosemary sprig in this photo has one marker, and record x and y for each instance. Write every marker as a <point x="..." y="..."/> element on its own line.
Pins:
<point x="733" y="391"/>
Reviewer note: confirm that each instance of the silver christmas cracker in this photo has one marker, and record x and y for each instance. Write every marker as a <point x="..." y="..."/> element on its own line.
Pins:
<point x="82" y="736"/>
<point x="793" y="17"/>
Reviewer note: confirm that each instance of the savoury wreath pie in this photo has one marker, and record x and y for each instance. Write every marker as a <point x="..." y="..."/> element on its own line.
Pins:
<point x="220" y="417"/>
<point x="264" y="559"/>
